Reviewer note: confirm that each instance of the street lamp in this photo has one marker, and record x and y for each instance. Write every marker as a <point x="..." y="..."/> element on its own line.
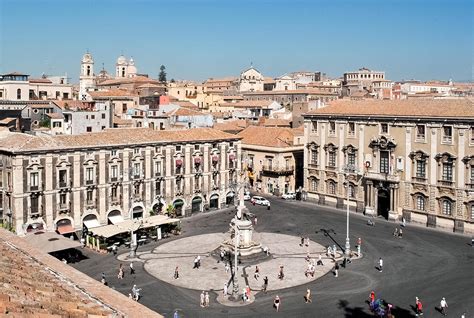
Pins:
<point x="348" y="169"/>
<point x="133" y="243"/>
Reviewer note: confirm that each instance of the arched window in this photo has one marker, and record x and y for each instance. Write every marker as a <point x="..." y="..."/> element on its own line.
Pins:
<point x="420" y="202"/>
<point x="88" y="70"/>
<point x="447" y="207"/>
<point x="314" y="184"/>
<point x="331" y="187"/>
<point x="352" y="191"/>
<point x="18" y="93"/>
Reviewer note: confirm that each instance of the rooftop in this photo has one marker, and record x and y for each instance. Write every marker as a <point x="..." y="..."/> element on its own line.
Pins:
<point x="278" y="137"/>
<point x="112" y="93"/>
<point x="413" y="108"/>
<point x="18" y="142"/>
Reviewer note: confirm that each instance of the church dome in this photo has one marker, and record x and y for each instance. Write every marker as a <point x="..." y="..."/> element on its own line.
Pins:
<point x="121" y="60"/>
<point x="131" y="62"/>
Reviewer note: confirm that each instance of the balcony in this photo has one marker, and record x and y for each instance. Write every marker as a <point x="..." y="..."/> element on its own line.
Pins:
<point x="445" y="183"/>
<point x="63" y="185"/>
<point x="63" y="206"/>
<point x="470" y="186"/>
<point x="271" y="171"/>
<point x="158" y="174"/>
<point x="90" y="182"/>
<point x="419" y="179"/>
<point x="90" y="203"/>
<point x="136" y="177"/>
<point x="34" y="188"/>
<point x="382" y="176"/>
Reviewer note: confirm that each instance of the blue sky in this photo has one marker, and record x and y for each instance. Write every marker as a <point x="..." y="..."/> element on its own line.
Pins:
<point x="407" y="39"/>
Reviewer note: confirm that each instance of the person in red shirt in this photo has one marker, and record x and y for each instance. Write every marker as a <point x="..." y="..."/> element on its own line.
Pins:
<point x="419" y="307"/>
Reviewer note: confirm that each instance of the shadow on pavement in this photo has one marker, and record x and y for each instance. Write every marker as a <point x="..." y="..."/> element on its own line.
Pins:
<point x="360" y="312"/>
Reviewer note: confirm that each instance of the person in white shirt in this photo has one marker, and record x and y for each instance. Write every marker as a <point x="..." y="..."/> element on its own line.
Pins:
<point x="443" y="304"/>
<point x="380" y="264"/>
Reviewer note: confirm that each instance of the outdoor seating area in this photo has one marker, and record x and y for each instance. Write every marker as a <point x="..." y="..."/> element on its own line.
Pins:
<point x="110" y="237"/>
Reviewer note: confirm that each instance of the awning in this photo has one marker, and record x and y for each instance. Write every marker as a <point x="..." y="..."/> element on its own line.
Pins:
<point x="197" y="200"/>
<point x="115" y="219"/>
<point x="127" y="225"/>
<point x="50" y="242"/>
<point x="91" y="223"/>
<point x="64" y="229"/>
<point x="214" y="196"/>
<point x="230" y="194"/>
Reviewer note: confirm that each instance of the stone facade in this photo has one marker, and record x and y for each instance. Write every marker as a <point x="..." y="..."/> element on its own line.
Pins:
<point x="413" y="161"/>
<point x="43" y="186"/>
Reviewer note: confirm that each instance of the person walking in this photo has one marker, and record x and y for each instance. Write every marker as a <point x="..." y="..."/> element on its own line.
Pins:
<point x="227" y="267"/>
<point x="336" y="269"/>
<point x="265" y="284"/>
<point x="198" y="261"/>
<point x="202" y="299"/>
<point x="195" y="263"/>
<point x="132" y="270"/>
<point x="418" y="307"/>
<point x="175" y="315"/>
<point x="307" y="242"/>
<point x="114" y="249"/>
<point x="320" y="261"/>
<point x="302" y="241"/>
<point x="176" y="273"/>
<point x="443" y="305"/>
<point x="395" y="232"/>
<point x="268" y="206"/>
<point x="255" y="221"/>
<point x="276" y="303"/>
<point x="225" y="290"/>
<point x="372" y="297"/>
<point x="257" y="272"/>
<point x="307" y="297"/>
<point x="400" y="233"/>
<point x="244" y="295"/>
<point x="380" y="264"/>
<point x="206" y="299"/>
<point x="120" y="272"/>
<point x="247" y="292"/>
<point x="222" y="255"/>
<point x="281" y="275"/>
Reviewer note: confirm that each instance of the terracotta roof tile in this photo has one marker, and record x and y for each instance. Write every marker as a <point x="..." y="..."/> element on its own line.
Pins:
<point x="437" y="108"/>
<point x="112" y="93"/>
<point x="276" y="122"/>
<point x="110" y="137"/>
<point x="278" y="137"/>
<point x="248" y="104"/>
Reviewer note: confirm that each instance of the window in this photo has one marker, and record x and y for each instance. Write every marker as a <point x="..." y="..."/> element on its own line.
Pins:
<point x="351" y="159"/>
<point x="114" y="172"/>
<point x="136" y="189"/>
<point x="214" y="145"/>
<point x="89" y="175"/>
<point x="472" y="135"/>
<point x="332" y="159"/>
<point x="89" y="196"/>
<point x="384" y="128"/>
<point x="178" y="148"/>
<point x="18" y="93"/>
<point x="447" y="134"/>
<point x="421" y="169"/>
<point x="136" y="170"/>
<point x="88" y="129"/>
<point x="158" y="187"/>
<point x="136" y="151"/>
<point x="471" y="207"/>
<point x="420" y="203"/>
<point x="384" y="161"/>
<point x="352" y="193"/>
<point x="157" y="149"/>
<point x="420" y="132"/>
<point x="103" y="115"/>
<point x="196" y="183"/>
<point x="446" y="207"/>
<point x="314" y="127"/>
<point x="196" y="147"/>
<point x="314" y="184"/>
<point x="332" y="128"/>
<point x="62" y="199"/>
<point x="447" y="171"/>
<point x="62" y="178"/>
<point x="331" y="187"/>
<point x="113" y="193"/>
<point x="351" y="129"/>
<point x="34" y="180"/>
<point x="178" y="185"/>
<point x="124" y="108"/>
<point x="113" y="153"/>
<point x="34" y="201"/>
<point x="157" y="168"/>
<point x="314" y="157"/>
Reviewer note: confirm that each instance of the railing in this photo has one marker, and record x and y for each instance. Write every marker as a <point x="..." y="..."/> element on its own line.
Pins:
<point x="419" y="179"/>
<point x="90" y="202"/>
<point x="157" y="173"/>
<point x="470" y="185"/>
<point x="63" y="206"/>
<point x="446" y="183"/>
<point x="136" y="176"/>
<point x="447" y="139"/>
<point x="62" y="184"/>
<point x="89" y="182"/>
<point x="34" y="188"/>
<point x="113" y="179"/>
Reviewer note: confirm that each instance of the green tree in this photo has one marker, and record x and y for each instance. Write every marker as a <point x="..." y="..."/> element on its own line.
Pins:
<point x="162" y="75"/>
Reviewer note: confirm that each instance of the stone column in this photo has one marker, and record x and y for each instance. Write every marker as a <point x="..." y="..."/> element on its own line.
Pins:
<point x="49" y="185"/>
<point x="369" y="207"/>
<point x="126" y="185"/>
<point x="102" y="189"/>
<point x="392" y="214"/>
<point x="76" y="190"/>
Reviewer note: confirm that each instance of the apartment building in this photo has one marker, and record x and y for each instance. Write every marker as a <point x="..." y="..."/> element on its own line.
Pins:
<point x="65" y="183"/>
<point x="414" y="159"/>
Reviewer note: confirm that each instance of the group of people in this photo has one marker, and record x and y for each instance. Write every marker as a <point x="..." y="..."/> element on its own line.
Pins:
<point x="382" y="308"/>
<point x="135" y="294"/>
<point x="204" y="300"/>
<point x="398" y="232"/>
<point x="197" y="262"/>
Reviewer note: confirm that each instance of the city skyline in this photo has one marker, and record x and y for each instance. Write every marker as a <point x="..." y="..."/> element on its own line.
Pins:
<point x="198" y="40"/>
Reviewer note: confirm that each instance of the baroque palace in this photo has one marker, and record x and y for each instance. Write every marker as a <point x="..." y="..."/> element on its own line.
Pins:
<point x="65" y="183"/>
<point x="412" y="159"/>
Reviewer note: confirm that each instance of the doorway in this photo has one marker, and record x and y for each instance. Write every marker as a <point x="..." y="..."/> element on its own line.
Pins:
<point x="383" y="203"/>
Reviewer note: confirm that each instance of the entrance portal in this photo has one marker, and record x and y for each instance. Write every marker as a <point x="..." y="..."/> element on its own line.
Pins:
<point x="178" y="207"/>
<point x="383" y="205"/>
<point x="137" y="212"/>
<point x="214" y="201"/>
<point x="196" y="205"/>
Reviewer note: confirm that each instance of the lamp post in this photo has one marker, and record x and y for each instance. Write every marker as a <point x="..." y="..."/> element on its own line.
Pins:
<point x="349" y="168"/>
<point x="133" y="243"/>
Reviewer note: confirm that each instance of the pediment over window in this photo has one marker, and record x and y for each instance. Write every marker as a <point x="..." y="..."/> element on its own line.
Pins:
<point x="468" y="159"/>
<point x="382" y="142"/>
<point x="349" y="149"/>
<point x="418" y="155"/>
<point x="444" y="157"/>
<point x="330" y="147"/>
<point x="312" y="146"/>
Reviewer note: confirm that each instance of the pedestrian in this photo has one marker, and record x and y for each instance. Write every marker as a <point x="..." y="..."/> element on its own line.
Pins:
<point x="320" y="261"/>
<point x="403" y="222"/>
<point x="103" y="276"/>
<point x="266" y="250"/>
<point x="225" y="289"/>
<point x="120" y="272"/>
<point x="307" y="297"/>
<point x="400" y="233"/>
<point x="132" y="270"/>
<point x="222" y="255"/>
<point x="443" y="306"/>
<point x="130" y="296"/>
<point x="265" y="284"/>
<point x="195" y="263"/>
<point x="176" y="273"/>
<point x="198" y="261"/>
<point x="114" y="249"/>
<point x="372" y="297"/>
<point x="419" y="307"/>
<point x="206" y="299"/>
<point x="137" y="294"/>
<point x="336" y="269"/>
<point x="395" y="232"/>
<point x="257" y="272"/>
<point x="276" y="303"/>
<point x="247" y="292"/>
<point x="202" y="300"/>
<point x="307" y="242"/>
<point x="302" y="241"/>
<point x="175" y="315"/>
<point x="281" y="275"/>
<point x="380" y="264"/>
<point x="308" y="257"/>
<point x="227" y="267"/>
<point x="244" y="295"/>
<point x="334" y="250"/>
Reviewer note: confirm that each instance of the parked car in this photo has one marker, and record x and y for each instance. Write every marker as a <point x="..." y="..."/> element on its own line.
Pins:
<point x="289" y="196"/>
<point x="247" y="196"/>
<point x="260" y="200"/>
